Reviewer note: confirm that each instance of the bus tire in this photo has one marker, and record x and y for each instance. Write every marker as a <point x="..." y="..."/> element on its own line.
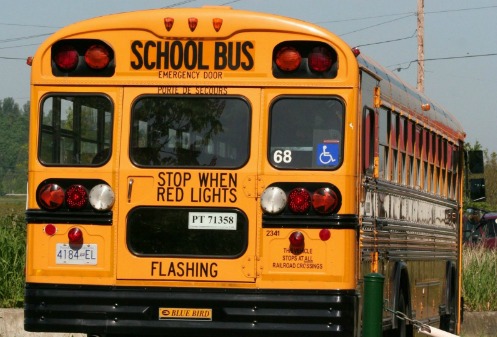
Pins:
<point x="404" y="329"/>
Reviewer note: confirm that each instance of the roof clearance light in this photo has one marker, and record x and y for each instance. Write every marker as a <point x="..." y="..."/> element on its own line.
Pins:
<point x="299" y="200"/>
<point x="325" y="201"/>
<point x="76" y="197"/>
<point x="273" y="200"/>
<point x="66" y="57"/>
<point x="50" y="196"/>
<point x="320" y="59"/>
<point x="75" y="236"/>
<point x="288" y="59"/>
<point x="168" y="23"/>
<point x="101" y="197"/>
<point x="192" y="23"/>
<point x="97" y="56"/>
<point x="217" y="23"/>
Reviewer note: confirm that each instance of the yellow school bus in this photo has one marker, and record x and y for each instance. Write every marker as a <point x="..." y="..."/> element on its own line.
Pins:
<point x="213" y="171"/>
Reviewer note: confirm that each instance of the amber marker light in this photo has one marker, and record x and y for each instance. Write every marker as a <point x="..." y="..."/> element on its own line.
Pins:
<point x="288" y="59"/>
<point x="97" y="57"/>
<point x="50" y="196"/>
<point x="168" y="23"/>
<point x="217" y="23"/>
<point x="192" y="23"/>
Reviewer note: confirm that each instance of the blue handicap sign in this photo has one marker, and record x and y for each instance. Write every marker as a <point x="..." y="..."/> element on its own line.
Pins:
<point x="327" y="154"/>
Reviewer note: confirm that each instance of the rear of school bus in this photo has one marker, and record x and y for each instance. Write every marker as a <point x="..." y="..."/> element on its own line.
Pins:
<point x="193" y="172"/>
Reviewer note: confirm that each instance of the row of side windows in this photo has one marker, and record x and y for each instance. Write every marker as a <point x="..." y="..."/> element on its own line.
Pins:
<point x="410" y="154"/>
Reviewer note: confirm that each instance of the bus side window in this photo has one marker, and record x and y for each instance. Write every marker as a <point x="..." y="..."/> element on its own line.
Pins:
<point x="368" y="141"/>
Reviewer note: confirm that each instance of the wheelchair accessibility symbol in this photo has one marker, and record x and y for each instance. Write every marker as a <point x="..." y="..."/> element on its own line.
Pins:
<point x="327" y="154"/>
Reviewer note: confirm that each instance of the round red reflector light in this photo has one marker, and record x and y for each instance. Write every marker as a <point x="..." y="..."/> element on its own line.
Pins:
<point x="75" y="235"/>
<point x="50" y="229"/>
<point x="97" y="56"/>
<point x="50" y="196"/>
<point x="299" y="200"/>
<point x="324" y="234"/>
<point x="325" y="201"/>
<point x="76" y="197"/>
<point x="288" y="59"/>
<point x="66" y="57"/>
<point x="320" y="59"/>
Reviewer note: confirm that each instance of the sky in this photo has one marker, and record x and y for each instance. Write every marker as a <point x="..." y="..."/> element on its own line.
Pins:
<point x="460" y="43"/>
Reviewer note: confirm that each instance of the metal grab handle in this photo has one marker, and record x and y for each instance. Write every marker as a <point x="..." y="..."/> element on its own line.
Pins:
<point x="130" y="189"/>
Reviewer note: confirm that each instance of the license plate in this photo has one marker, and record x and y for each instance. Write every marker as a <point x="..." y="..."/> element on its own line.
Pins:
<point x="212" y="220"/>
<point x="185" y="313"/>
<point x="82" y="254"/>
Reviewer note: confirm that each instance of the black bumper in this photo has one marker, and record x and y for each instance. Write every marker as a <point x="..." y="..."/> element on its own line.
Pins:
<point x="135" y="311"/>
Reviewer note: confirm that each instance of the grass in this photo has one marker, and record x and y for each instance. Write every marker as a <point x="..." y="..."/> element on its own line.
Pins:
<point x="12" y="251"/>
<point x="479" y="279"/>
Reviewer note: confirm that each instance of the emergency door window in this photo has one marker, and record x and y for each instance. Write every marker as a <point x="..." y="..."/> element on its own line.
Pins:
<point x="190" y="132"/>
<point x="306" y="133"/>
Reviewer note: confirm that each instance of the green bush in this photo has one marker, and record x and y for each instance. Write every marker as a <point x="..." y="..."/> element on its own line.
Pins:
<point x="12" y="255"/>
<point x="478" y="279"/>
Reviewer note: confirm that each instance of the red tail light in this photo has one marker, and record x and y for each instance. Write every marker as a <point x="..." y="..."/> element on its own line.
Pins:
<point x="75" y="235"/>
<point x="66" y="57"/>
<point x="299" y="200"/>
<point x="288" y="59"/>
<point x="320" y="59"/>
<point x="297" y="242"/>
<point x="97" y="57"/>
<point x="50" y="196"/>
<point x="76" y="197"/>
<point x="325" y="201"/>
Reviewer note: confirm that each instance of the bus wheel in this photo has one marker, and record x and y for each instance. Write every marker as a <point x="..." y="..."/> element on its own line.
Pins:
<point x="403" y="328"/>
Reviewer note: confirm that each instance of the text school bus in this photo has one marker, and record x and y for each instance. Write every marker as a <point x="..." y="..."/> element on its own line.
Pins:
<point x="221" y="172"/>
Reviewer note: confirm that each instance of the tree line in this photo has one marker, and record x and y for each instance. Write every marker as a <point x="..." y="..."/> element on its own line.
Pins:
<point x="14" y="128"/>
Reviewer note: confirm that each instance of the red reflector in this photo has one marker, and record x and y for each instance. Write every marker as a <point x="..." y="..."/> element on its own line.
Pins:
<point x="66" y="57"/>
<point x="51" y="196"/>
<point x="299" y="200"/>
<point x="97" y="57"/>
<point x="75" y="235"/>
<point x="50" y="229"/>
<point x="325" y="234"/>
<point x="325" y="201"/>
<point x="288" y="59"/>
<point x="76" y="197"/>
<point x="320" y="59"/>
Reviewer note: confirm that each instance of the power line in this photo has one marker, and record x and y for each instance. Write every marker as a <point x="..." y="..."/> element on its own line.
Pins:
<point x="24" y="38"/>
<point x="386" y="41"/>
<point x="378" y="24"/>
<point x="439" y="59"/>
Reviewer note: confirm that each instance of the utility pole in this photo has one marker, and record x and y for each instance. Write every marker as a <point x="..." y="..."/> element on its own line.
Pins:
<point x="421" y="53"/>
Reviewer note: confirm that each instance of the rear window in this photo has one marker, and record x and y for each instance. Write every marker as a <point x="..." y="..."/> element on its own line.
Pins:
<point x="306" y="133"/>
<point x="161" y="231"/>
<point x="190" y="132"/>
<point x="75" y="130"/>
